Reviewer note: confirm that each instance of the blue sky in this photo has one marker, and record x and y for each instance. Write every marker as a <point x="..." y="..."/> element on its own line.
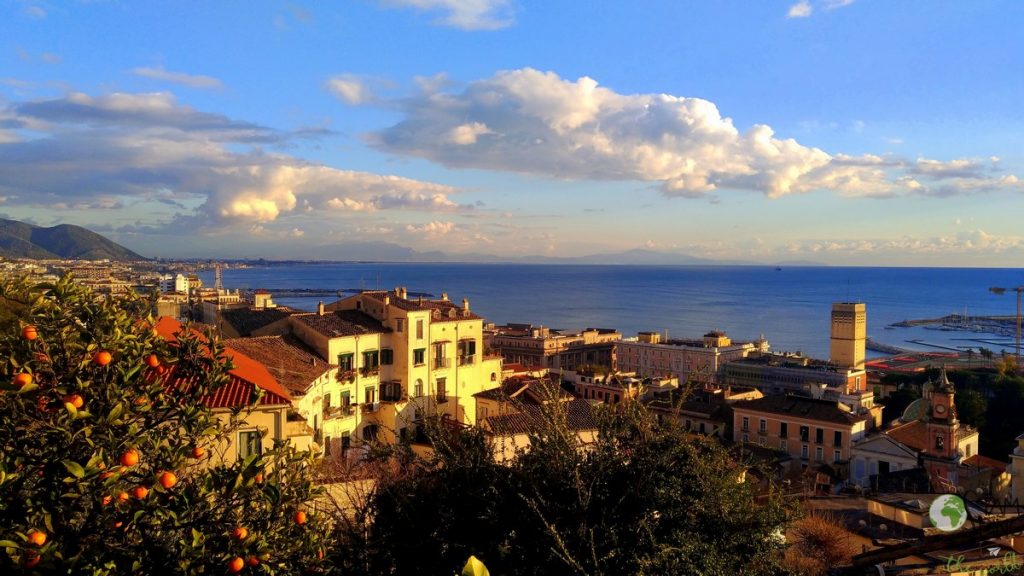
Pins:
<point x="837" y="131"/>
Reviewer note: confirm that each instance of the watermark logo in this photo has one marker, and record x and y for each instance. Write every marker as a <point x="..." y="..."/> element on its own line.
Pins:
<point x="948" y="513"/>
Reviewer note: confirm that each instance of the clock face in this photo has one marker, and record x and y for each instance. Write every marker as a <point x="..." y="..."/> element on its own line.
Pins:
<point x="940" y="409"/>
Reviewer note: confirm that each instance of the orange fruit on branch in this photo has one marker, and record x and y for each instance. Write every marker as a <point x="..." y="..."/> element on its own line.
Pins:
<point x="198" y="452"/>
<point x="240" y="533"/>
<point x="301" y="518"/>
<point x="152" y="361"/>
<point x="167" y="479"/>
<point x="75" y="400"/>
<point x="37" y="537"/>
<point x="23" y="379"/>
<point x="123" y="496"/>
<point x="29" y="332"/>
<point x="102" y="358"/>
<point x="236" y="564"/>
<point x="140" y="492"/>
<point x="130" y="458"/>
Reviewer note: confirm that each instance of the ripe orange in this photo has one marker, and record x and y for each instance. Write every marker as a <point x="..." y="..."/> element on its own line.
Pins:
<point x="253" y="561"/>
<point x="320" y="554"/>
<point x="152" y="361"/>
<point x="236" y="564"/>
<point x="106" y="500"/>
<point x="198" y="452"/>
<point x="140" y="492"/>
<point x="258" y="478"/>
<point x="31" y="559"/>
<point x="37" y="537"/>
<point x="123" y="496"/>
<point x="167" y="479"/>
<point x="118" y="524"/>
<point x="300" y="517"/>
<point x="130" y="457"/>
<point x="75" y="400"/>
<point x="23" y="379"/>
<point x="240" y="533"/>
<point x="102" y="358"/>
<point x="29" y="332"/>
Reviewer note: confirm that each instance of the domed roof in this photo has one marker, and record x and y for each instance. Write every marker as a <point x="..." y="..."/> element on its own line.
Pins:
<point x="915" y="411"/>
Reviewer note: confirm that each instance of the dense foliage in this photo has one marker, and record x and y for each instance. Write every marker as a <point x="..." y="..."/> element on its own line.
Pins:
<point x="106" y="467"/>
<point x="642" y="499"/>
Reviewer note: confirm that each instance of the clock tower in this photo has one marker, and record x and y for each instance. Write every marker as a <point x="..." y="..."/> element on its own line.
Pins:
<point x="942" y="454"/>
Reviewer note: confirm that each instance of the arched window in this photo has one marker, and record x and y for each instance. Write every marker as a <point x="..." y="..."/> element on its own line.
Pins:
<point x="494" y="377"/>
<point x="938" y="442"/>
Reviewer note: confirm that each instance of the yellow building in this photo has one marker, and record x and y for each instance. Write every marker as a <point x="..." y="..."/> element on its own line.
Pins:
<point x="1017" y="471"/>
<point x="398" y="361"/>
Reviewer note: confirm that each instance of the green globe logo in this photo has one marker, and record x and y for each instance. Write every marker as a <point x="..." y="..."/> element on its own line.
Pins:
<point x="948" y="512"/>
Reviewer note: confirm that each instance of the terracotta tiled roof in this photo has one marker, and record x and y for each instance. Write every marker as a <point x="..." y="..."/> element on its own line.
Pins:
<point x="247" y="372"/>
<point x="237" y="392"/>
<point x="530" y="390"/>
<point x="911" y="434"/>
<point x="246" y="320"/>
<point x="290" y="361"/>
<point x="979" y="461"/>
<point x="342" y="323"/>
<point x="579" y="416"/>
<point x="801" y="407"/>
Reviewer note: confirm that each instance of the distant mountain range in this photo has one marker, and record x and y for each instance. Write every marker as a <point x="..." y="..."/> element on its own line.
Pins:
<point x="21" y="240"/>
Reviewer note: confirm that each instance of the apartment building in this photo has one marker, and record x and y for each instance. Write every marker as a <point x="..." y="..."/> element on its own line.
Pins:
<point x="688" y="359"/>
<point x="553" y="349"/>
<point x="811" y="430"/>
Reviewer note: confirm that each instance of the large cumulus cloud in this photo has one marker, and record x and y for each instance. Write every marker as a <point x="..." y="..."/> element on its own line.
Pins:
<point x="537" y="122"/>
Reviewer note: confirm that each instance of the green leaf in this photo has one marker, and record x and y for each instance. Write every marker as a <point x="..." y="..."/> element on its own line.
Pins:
<point x="73" y="467"/>
<point x="9" y="544"/>
<point x="115" y="412"/>
<point x="474" y="567"/>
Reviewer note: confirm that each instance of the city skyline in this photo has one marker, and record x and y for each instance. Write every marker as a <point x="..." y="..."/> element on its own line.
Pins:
<point x="835" y="131"/>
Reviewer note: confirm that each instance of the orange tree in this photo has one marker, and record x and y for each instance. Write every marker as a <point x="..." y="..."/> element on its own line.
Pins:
<point x="109" y="466"/>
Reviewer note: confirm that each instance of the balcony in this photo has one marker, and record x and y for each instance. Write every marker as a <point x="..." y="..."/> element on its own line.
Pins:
<point x="467" y="359"/>
<point x="370" y="407"/>
<point x="346" y="375"/>
<point x="368" y="371"/>
<point x="441" y="397"/>
<point x="441" y="363"/>
<point x="393" y="392"/>
<point x="340" y="411"/>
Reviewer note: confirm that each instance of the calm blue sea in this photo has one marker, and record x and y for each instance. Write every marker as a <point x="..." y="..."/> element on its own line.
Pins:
<point x="790" y="306"/>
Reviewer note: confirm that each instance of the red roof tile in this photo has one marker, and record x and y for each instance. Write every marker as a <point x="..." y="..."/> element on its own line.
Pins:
<point x="979" y="461"/>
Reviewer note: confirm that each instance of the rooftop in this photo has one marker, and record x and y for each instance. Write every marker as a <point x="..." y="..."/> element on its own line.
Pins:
<point x="293" y="363"/>
<point x="246" y="320"/>
<point x="802" y="407"/>
<point x="341" y="323"/>
<point x="530" y="418"/>
<point x="445" y="309"/>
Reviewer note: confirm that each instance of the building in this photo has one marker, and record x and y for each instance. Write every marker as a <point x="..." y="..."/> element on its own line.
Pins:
<point x="174" y="283"/>
<point x="1017" y="471"/>
<point x="706" y="411"/>
<point x="808" y="429"/>
<point x="264" y="423"/>
<point x="700" y="360"/>
<point x="848" y="335"/>
<point x="400" y="359"/>
<point x="553" y="349"/>
<point x="789" y="373"/>
<point x="879" y="455"/>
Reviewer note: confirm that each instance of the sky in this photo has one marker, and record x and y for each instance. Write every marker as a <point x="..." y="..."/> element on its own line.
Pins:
<point x="845" y="132"/>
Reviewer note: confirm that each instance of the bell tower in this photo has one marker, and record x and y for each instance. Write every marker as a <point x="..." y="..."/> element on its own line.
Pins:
<point x="942" y="451"/>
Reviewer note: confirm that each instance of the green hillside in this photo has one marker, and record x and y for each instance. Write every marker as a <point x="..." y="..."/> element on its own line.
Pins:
<point x="21" y="240"/>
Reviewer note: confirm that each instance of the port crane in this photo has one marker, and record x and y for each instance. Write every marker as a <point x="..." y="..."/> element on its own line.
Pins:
<point x="1019" y="290"/>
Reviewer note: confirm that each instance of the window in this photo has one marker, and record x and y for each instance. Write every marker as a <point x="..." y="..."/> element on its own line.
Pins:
<point x="819" y="436"/>
<point x="803" y="451"/>
<point x="762" y="426"/>
<point x="250" y="442"/>
<point x="467" y="351"/>
<point x="370" y="395"/>
<point x="837" y="438"/>
<point x="370" y="432"/>
<point x="346" y="442"/>
<point x="804" y="432"/>
<point x="327" y="446"/>
<point x="346" y="399"/>
<point x="483" y="413"/>
<point x="686" y="425"/>
<point x="494" y="377"/>
<point x="419" y="387"/>
<point x="783" y="430"/>
<point x="391" y="392"/>
<point x="837" y="456"/>
<point x="782" y="446"/>
<point x="442" y="392"/>
<point x="762" y="441"/>
<point x="345" y="362"/>
<point x="327" y="401"/>
<point x="746" y="438"/>
<point x="701" y="428"/>
<point x="419" y="329"/>
<point x="419" y="356"/>
<point x="371" y="359"/>
<point x="817" y="454"/>
<point x="387" y="357"/>
<point x="968" y="450"/>
<point x="746" y="424"/>
<point x="399" y="325"/>
<point x="939" y="442"/>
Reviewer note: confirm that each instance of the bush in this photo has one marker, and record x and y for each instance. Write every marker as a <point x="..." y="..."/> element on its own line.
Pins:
<point x="108" y="468"/>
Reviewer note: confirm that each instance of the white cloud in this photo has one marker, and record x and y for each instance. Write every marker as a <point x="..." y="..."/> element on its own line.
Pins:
<point x="464" y="14"/>
<point x="539" y="123"/>
<point x="467" y="134"/>
<point x="350" y="89"/>
<point x="833" y="4"/>
<point x="434" y="228"/>
<point x="181" y="78"/>
<point x="97" y="152"/>
<point x="801" y="9"/>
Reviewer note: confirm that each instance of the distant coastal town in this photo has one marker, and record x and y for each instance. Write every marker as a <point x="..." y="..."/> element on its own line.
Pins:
<point x="876" y="441"/>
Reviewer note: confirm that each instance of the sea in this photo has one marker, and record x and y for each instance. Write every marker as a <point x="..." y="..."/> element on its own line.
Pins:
<point x="788" y="305"/>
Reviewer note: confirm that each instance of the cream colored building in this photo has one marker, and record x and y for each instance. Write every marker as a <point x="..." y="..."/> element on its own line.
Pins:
<point x="698" y="360"/>
<point x="398" y="361"/>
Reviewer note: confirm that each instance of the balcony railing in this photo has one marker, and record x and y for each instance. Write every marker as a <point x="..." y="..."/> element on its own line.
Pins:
<point x="441" y="363"/>
<point x="370" y="407"/>
<point x="441" y="397"/>
<point x="393" y="393"/>
<point x="366" y="371"/>
<point x="346" y="375"/>
<point x="340" y="411"/>
<point x="467" y="359"/>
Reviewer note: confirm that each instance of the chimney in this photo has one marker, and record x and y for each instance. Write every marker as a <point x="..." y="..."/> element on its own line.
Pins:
<point x="444" y="296"/>
<point x="405" y="293"/>
<point x="387" y="300"/>
<point x="320" y="308"/>
<point x="465" y="305"/>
